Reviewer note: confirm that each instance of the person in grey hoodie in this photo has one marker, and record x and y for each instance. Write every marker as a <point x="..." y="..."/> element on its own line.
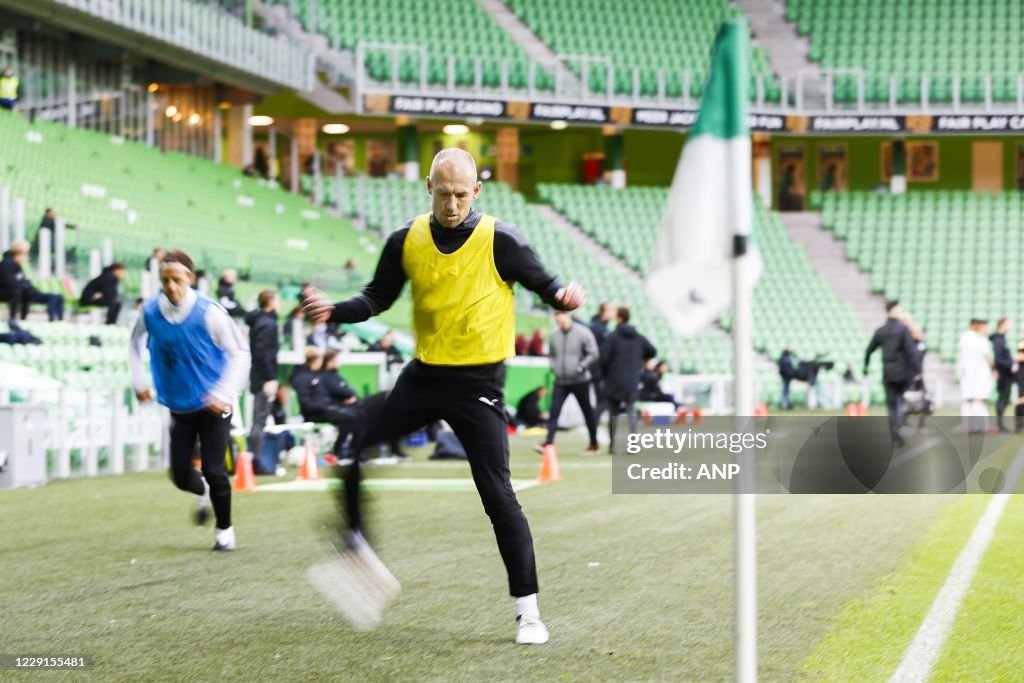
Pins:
<point x="573" y="351"/>
<point x="623" y="354"/>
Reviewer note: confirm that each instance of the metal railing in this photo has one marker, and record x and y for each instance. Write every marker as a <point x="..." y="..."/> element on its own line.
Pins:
<point x="806" y="92"/>
<point x="210" y="32"/>
<point x="91" y="432"/>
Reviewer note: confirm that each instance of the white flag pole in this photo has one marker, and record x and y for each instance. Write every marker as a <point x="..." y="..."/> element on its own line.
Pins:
<point x="745" y="501"/>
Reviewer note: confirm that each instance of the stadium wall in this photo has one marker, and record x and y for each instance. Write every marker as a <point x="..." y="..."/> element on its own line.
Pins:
<point x="864" y="159"/>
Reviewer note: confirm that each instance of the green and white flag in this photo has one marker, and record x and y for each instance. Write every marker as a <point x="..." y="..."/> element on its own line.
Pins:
<point x="710" y="207"/>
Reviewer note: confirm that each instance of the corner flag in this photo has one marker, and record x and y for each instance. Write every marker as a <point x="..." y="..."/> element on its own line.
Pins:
<point x="706" y="256"/>
<point x="710" y="206"/>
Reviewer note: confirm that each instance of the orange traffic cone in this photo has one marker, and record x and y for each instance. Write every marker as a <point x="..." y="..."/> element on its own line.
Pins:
<point x="245" y="478"/>
<point x="862" y="409"/>
<point x="761" y="409"/>
<point x="852" y="410"/>
<point x="549" y="469"/>
<point x="309" y="470"/>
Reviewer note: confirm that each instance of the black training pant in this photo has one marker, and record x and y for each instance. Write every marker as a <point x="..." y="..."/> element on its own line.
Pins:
<point x="894" y="404"/>
<point x="213" y="432"/>
<point x="475" y="410"/>
<point x="262" y="406"/>
<point x="617" y="406"/>
<point x="113" y="307"/>
<point x="582" y="393"/>
<point x="1003" y="387"/>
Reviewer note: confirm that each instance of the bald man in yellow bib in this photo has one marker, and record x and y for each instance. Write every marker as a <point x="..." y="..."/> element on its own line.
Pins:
<point x="461" y="265"/>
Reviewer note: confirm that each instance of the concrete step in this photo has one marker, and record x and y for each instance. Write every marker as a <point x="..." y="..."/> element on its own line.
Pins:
<point x="534" y="46"/>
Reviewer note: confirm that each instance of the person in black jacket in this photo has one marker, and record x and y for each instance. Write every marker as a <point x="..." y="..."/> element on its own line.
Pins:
<point x="263" y="346"/>
<point x="105" y="290"/>
<point x="17" y="290"/>
<point x="622" y="359"/>
<point x="315" y="402"/>
<point x="599" y="326"/>
<point x="650" y="383"/>
<point x="898" y="364"/>
<point x="386" y="345"/>
<point x="342" y="394"/>
<point x="528" y="411"/>
<point x="226" y="294"/>
<point x="1004" y="368"/>
<point x="788" y="366"/>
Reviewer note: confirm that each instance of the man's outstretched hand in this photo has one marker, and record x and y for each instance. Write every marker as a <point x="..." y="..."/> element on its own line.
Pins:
<point x="571" y="296"/>
<point x="316" y="306"/>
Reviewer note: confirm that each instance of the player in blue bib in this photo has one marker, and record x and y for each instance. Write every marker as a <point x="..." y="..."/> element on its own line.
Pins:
<point x="199" y="365"/>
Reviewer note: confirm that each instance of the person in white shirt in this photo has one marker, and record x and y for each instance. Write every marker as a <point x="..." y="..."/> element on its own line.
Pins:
<point x="200" y="365"/>
<point x="975" y="368"/>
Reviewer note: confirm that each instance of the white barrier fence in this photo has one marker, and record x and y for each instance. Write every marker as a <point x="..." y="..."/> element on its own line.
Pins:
<point x="93" y="432"/>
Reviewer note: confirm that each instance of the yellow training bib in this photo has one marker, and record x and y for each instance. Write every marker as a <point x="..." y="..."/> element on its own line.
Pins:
<point x="463" y="312"/>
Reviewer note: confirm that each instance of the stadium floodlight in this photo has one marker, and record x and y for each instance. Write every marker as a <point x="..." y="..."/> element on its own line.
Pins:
<point x="170" y="111"/>
<point x="177" y="117"/>
<point x="153" y="87"/>
<point x="335" y="128"/>
<point x="193" y="119"/>
<point x="259" y="121"/>
<point x="559" y="125"/>
<point x="455" y="129"/>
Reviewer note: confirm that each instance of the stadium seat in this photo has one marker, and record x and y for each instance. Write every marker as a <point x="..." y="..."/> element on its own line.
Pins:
<point x="948" y="256"/>
<point x="792" y="303"/>
<point x="933" y="38"/>
<point x="346" y="23"/>
<point x="646" y="35"/>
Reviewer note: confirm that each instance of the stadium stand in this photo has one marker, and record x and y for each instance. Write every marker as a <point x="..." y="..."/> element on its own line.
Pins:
<point x="646" y="35"/>
<point x="140" y="197"/>
<point x="935" y="38"/>
<point x="793" y="304"/>
<point x="948" y="256"/>
<point x="346" y="23"/>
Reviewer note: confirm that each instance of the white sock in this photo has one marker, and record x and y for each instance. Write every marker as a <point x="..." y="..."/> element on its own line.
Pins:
<point x="527" y="605"/>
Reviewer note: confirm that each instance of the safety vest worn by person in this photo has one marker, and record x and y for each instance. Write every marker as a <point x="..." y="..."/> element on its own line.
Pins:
<point x="463" y="312"/>
<point x="9" y="88"/>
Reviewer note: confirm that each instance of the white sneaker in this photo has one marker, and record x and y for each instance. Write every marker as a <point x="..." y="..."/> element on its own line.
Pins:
<point x="531" y="630"/>
<point x="225" y="539"/>
<point x="202" y="514"/>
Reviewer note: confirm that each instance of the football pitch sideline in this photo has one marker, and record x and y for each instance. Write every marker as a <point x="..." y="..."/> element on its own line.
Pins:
<point x="633" y="587"/>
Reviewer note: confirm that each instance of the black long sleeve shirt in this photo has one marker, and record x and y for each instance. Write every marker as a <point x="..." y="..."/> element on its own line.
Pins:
<point x="514" y="259"/>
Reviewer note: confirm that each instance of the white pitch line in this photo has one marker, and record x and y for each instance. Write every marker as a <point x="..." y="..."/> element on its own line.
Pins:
<point x="926" y="647"/>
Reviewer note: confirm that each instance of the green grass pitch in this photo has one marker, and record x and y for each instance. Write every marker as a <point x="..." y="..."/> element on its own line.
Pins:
<point x="632" y="587"/>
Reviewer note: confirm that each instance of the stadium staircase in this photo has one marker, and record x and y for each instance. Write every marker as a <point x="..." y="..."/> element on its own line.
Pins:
<point x="853" y="286"/>
<point x="346" y="23"/>
<point x="646" y="35"/>
<point x="531" y="44"/>
<point x="338" y="66"/>
<point x="786" y="49"/>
